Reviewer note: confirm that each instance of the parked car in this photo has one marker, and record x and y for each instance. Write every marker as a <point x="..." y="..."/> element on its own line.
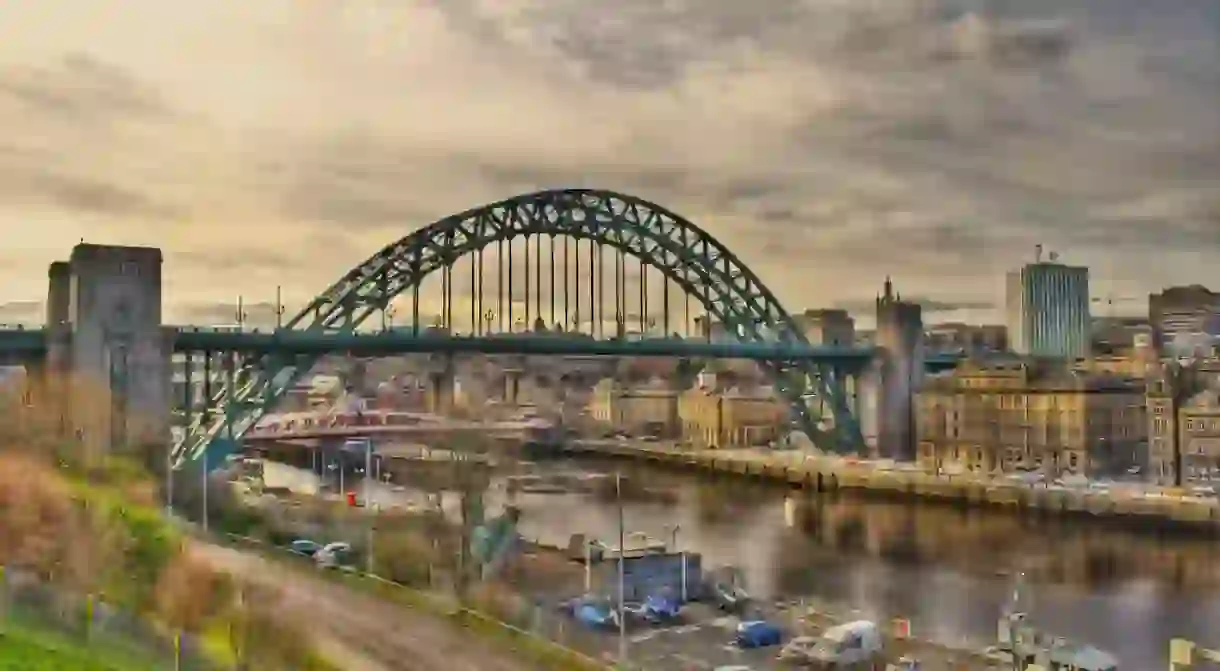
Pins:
<point x="853" y="643"/>
<point x="594" y="612"/>
<point x="304" y="546"/>
<point x="799" y="650"/>
<point x="334" y="555"/>
<point x="758" y="634"/>
<point x="728" y="596"/>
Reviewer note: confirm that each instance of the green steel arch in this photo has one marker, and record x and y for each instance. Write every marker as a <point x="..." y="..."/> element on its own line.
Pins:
<point x="687" y="255"/>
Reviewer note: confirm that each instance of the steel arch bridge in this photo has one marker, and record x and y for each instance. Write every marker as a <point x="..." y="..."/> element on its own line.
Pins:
<point x="705" y="269"/>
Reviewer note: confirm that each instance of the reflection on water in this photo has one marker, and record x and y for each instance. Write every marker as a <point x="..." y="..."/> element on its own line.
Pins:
<point x="947" y="569"/>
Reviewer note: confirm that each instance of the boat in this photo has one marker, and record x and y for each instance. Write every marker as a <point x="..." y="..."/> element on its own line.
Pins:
<point x="1018" y="638"/>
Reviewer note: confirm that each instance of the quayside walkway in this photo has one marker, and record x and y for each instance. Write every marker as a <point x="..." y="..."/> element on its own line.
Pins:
<point x="828" y="473"/>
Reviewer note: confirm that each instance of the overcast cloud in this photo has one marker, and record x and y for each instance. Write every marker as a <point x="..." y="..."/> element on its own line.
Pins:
<point x="828" y="142"/>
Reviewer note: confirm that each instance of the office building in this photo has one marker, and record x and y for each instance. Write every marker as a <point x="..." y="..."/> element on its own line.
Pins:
<point x="1182" y="314"/>
<point x="1048" y="310"/>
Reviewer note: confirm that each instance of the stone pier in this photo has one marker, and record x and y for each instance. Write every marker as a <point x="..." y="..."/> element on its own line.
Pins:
<point x="107" y="369"/>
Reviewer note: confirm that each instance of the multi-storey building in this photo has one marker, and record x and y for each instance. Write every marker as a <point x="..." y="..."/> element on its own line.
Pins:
<point x="1048" y="311"/>
<point x="747" y="416"/>
<point x="1199" y="418"/>
<point x="966" y="338"/>
<point x="1183" y="312"/>
<point x="1031" y="416"/>
<point x="828" y="327"/>
<point x="1180" y="400"/>
<point x="646" y="409"/>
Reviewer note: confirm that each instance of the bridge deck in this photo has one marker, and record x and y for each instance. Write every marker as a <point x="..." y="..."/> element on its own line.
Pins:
<point x="30" y="342"/>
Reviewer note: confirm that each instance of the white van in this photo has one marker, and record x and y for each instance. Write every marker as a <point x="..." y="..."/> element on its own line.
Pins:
<point x="852" y="645"/>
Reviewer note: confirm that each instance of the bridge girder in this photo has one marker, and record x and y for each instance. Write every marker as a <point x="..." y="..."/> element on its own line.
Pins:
<point x="687" y="255"/>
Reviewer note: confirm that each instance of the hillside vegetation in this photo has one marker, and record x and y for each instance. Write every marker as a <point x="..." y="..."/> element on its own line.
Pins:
<point x="90" y="530"/>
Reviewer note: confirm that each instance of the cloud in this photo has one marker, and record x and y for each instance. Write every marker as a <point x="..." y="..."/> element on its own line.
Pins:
<point x="826" y="142"/>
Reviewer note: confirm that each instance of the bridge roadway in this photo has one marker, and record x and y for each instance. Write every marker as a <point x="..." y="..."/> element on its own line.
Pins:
<point x="1131" y="502"/>
<point x="32" y="342"/>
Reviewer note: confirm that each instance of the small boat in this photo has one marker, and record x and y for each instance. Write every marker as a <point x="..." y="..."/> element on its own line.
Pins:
<point x="1017" y="637"/>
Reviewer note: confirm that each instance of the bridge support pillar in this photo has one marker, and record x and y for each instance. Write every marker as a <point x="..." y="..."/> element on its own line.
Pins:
<point x="440" y="392"/>
<point x="900" y="340"/>
<point x="108" y="350"/>
<point x="512" y="386"/>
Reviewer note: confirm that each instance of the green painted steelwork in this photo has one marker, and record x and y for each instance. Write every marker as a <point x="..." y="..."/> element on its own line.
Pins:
<point x="288" y="342"/>
<point x="23" y="342"/>
<point x="729" y="292"/>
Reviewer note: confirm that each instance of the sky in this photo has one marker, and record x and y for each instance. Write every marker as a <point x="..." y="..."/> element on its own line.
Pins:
<point x="828" y="143"/>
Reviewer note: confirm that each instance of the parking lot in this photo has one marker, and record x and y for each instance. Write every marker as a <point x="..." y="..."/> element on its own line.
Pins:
<point x="702" y="641"/>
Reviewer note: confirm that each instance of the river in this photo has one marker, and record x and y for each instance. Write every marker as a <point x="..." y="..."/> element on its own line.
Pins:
<point x="947" y="569"/>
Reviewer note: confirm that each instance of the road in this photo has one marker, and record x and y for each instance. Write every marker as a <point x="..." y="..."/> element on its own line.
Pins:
<point x="362" y="632"/>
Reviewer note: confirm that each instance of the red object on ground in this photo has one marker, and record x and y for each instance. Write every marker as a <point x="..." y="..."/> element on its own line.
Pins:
<point x="351" y="498"/>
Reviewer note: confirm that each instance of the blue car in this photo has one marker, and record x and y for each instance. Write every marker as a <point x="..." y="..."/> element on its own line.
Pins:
<point x="593" y="612"/>
<point x="663" y="607"/>
<point x="758" y="634"/>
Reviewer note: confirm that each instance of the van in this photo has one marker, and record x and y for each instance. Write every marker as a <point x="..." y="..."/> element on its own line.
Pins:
<point x="854" y="645"/>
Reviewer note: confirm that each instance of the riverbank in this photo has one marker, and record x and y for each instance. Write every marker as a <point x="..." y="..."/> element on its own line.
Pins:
<point x="827" y="474"/>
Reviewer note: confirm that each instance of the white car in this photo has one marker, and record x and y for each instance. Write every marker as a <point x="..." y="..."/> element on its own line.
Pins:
<point x="333" y="555"/>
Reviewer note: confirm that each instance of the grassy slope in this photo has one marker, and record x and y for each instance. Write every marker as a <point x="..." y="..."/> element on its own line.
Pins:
<point x="33" y="650"/>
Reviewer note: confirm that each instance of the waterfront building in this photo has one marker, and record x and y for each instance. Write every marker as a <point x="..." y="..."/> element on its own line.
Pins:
<point x="1199" y="418"/>
<point x="1183" y="313"/>
<point x="730" y="416"/>
<point x="1182" y="448"/>
<point x="648" y="409"/>
<point x="1047" y="306"/>
<point x="1031" y="415"/>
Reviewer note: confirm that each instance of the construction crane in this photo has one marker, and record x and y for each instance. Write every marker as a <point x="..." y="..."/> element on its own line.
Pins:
<point x="1109" y="300"/>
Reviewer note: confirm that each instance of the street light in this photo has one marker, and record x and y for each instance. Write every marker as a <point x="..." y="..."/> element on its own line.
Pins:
<point x="622" y="574"/>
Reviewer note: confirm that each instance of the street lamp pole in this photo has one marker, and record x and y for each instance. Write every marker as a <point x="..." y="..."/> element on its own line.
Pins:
<point x="622" y="574"/>
<point x="203" y="466"/>
<point x="368" y="505"/>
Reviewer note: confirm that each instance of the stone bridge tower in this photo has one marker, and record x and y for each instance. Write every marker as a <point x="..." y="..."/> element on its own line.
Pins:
<point x="901" y="366"/>
<point x="108" y="358"/>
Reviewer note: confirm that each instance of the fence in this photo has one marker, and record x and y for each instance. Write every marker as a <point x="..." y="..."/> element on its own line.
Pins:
<point x="536" y="631"/>
<point x="30" y="605"/>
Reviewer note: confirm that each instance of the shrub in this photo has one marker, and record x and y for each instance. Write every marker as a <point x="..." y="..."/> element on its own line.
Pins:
<point x="189" y="593"/>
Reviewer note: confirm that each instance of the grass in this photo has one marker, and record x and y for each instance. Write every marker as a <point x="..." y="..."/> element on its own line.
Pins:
<point x="31" y="649"/>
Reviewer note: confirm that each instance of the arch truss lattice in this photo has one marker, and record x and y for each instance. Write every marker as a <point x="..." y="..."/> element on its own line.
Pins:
<point x="688" y="256"/>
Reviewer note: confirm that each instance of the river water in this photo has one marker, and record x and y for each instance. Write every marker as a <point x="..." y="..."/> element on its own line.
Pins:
<point x="948" y="570"/>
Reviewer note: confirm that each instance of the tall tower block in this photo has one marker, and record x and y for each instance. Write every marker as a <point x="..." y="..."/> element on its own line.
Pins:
<point x="900" y="341"/>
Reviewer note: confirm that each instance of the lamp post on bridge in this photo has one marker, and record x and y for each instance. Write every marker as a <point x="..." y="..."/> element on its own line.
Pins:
<point x="240" y="314"/>
<point x="279" y="308"/>
<point x="387" y="318"/>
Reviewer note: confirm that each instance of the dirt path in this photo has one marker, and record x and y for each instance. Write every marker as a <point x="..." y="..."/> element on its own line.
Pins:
<point x="362" y="632"/>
